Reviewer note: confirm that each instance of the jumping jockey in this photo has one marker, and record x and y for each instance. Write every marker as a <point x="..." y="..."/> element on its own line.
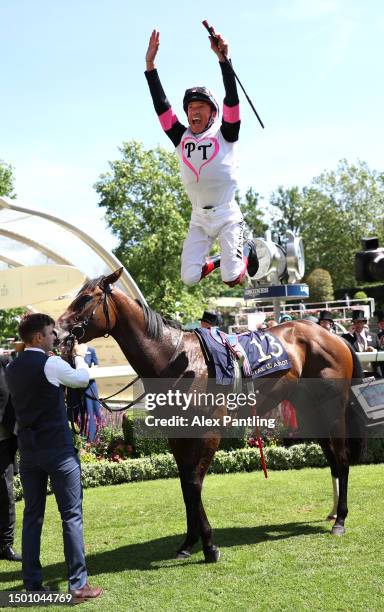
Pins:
<point x="208" y="164"/>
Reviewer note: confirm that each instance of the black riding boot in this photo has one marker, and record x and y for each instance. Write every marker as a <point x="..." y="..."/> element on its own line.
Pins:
<point x="249" y="251"/>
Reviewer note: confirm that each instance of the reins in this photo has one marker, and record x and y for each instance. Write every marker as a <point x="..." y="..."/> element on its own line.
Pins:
<point x="137" y="399"/>
<point x="77" y="333"/>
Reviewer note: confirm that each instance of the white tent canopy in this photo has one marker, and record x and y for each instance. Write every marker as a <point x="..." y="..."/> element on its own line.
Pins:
<point x="34" y="238"/>
<point x="45" y="260"/>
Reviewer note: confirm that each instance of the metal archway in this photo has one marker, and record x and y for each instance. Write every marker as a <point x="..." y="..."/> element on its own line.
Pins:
<point x="110" y="262"/>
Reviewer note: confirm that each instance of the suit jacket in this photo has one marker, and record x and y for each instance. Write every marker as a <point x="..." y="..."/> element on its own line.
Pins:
<point x="380" y="340"/>
<point x="352" y="339"/>
<point x="7" y="413"/>
<point x="371" y="341"/>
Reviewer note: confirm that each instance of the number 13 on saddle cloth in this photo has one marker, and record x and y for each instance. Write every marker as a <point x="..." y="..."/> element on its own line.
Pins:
<point x="262" y="353"/>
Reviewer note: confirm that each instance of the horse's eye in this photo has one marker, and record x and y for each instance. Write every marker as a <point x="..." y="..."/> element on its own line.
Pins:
<point x="83" y="300"/>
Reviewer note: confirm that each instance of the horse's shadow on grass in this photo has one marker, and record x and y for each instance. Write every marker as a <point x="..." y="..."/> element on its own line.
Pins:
<point x="146" y="555"/>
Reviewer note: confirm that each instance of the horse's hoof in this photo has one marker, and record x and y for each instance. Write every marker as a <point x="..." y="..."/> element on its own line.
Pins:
<point x="338" y="530"/>
<point x="183" y="554"/>
<point x="331" y="517"/>
<point x="212" y="555"/>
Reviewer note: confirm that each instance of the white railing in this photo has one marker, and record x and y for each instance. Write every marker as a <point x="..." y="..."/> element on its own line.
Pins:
<point x="344" y="307"/>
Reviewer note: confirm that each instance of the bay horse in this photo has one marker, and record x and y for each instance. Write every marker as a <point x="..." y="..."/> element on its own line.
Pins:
<point x="155" y="349"/>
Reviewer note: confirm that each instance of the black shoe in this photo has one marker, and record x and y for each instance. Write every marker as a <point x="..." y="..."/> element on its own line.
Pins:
<point x="39" y="587"/>
<point x="253" y="262"/>
<point x="7" y="552"/>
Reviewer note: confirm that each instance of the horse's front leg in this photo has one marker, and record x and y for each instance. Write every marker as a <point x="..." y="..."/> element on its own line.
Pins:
<point x="191" y="479"/>
<point x="197" y="521"/>
<point x="191" y="488"/>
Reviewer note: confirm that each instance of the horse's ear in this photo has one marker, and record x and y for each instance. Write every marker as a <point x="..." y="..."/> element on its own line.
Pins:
<point x="110" y="279"/>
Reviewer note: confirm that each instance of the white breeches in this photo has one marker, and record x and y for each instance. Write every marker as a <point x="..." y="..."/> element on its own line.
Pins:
<point x="224" y="223"/>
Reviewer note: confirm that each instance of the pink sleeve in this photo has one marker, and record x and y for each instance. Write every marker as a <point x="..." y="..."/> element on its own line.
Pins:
<point x="231" y="114"/>
<point x="167" y="119"/>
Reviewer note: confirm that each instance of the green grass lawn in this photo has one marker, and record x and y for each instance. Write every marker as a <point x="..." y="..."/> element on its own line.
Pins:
<point x="277" y="553"/>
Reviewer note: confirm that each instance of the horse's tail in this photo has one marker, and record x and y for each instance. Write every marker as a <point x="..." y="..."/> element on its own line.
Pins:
<point x="356" y="434"/>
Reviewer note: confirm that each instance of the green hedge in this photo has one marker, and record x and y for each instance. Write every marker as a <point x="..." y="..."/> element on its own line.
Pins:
<point x="102" y="473"/>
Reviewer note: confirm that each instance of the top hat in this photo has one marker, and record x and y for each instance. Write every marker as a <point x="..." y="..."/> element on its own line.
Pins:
<point x="359" y="315"/>
<point x="211" y="318"/>
<point x="325" y="315"/>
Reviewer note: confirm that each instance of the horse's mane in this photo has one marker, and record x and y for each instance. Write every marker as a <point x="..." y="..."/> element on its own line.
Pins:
<point x="90" y="285"/>
<point x="154" y="322"/>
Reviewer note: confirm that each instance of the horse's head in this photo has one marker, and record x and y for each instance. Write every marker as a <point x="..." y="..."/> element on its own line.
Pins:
<point x="91" y="314"/>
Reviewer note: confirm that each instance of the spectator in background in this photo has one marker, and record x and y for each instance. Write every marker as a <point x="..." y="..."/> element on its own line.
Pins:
<point x="91" y="397"/>
<point x="362" y="340"/>
<point x="84" y="407"/>
<point x="326" y="321"/>
<point x="209" y="319"/>
<point x="8" y="447"/>
<point x="284" y="318"/>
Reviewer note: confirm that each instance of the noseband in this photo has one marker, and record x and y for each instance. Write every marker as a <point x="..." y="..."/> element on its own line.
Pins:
<point x="78" y="330"/>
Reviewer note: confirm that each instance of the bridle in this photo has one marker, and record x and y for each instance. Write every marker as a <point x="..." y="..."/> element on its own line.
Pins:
<point x="78" y="330"/>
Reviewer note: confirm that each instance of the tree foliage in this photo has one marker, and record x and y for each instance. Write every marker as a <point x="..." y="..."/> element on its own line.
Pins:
<point x="9" y="323"/>
<point x="332" y="215"/>
<point x="288" y="207"/>
<point x="9" y="319"/>
<point x="320" y="286"/>
<point x="6" y="180"/>
<point x="252" y="213"/>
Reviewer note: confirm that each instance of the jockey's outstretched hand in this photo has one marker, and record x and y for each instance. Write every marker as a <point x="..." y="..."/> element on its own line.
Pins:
<point x="219" y="46"/>
<point x="153" y="47"/>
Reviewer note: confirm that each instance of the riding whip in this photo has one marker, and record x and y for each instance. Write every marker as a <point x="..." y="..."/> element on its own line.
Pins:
<point x="227" y="61"/>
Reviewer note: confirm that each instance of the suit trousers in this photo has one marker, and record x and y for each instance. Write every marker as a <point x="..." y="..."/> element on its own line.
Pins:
<point x="7" y="502"/>
<point x="63" y="468"/>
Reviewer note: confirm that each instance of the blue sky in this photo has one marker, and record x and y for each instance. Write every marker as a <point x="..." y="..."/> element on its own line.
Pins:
<point x="73" y="88"/>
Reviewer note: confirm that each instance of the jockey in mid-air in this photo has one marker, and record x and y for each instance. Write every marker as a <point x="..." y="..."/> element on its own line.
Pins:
<point x="208" y="163"/>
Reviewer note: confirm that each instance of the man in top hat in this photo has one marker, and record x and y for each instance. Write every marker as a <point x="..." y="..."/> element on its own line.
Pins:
<point x="362" y="340"/>
<point x="326" y="321"/>
<point x="209" y="319"/>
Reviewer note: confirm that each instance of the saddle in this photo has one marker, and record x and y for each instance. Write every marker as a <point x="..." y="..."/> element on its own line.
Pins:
<point x="248" y="355"/>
